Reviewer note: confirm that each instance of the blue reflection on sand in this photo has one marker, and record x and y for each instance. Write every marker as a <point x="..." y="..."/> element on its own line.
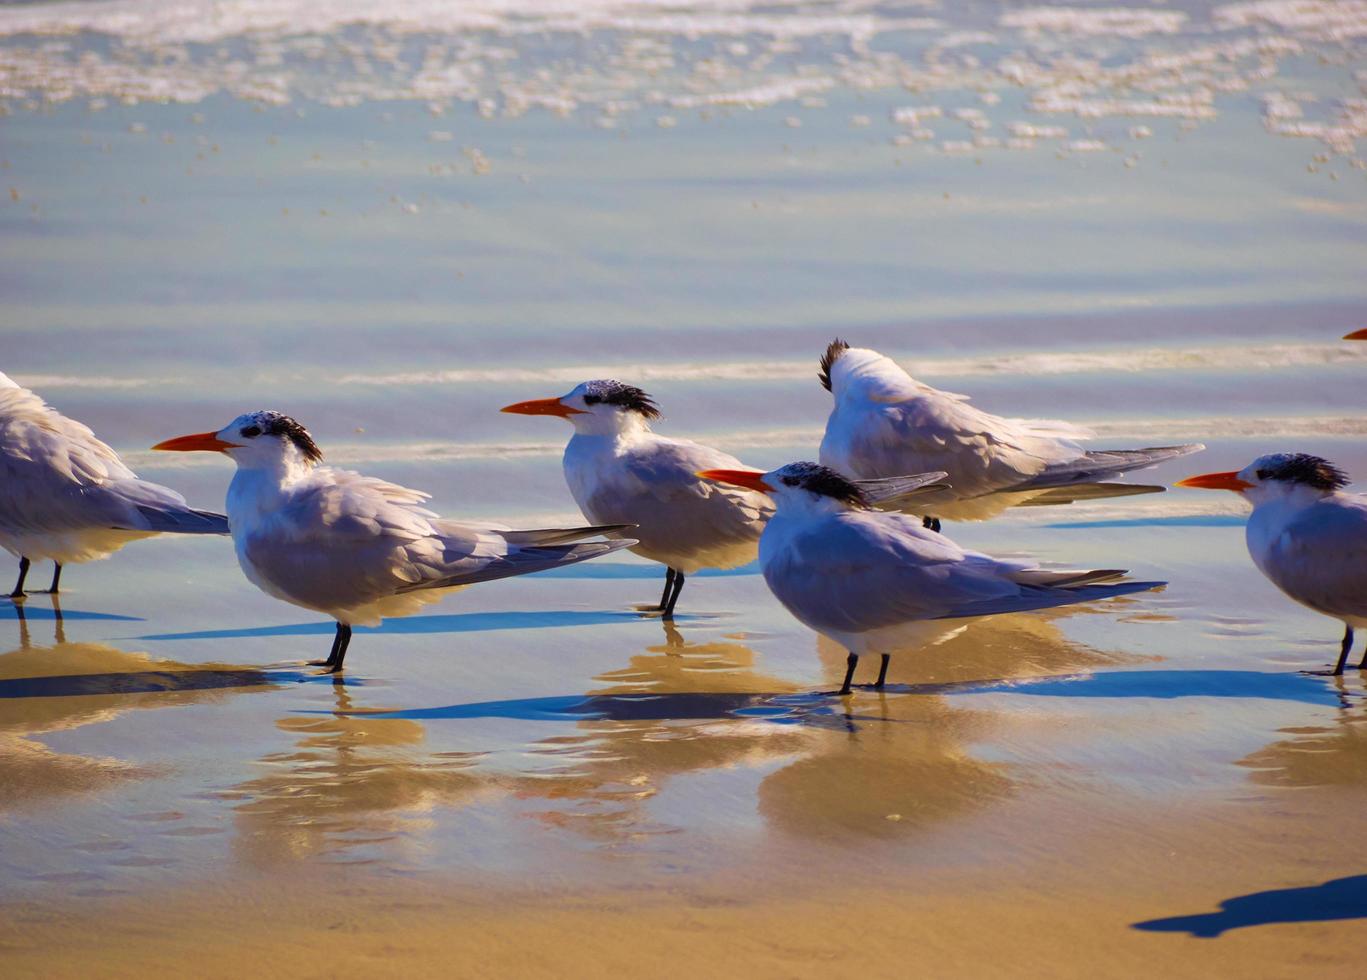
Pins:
<point x="1193" y="520"/>
<point x="787" y="709"/>
<point x="632" y="570"/>
<point x="452" y="623"/>
<point x="154" y="682"/>
<point x="22" y="611"/>
<point x="1168" y="684"/>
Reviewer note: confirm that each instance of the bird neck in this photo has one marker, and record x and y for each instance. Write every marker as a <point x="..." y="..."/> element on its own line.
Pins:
<point x="799" y="504"/>
<point x="256" y="491"/>
<point x="1285" y="497"/>
<point x="617" y="425"/>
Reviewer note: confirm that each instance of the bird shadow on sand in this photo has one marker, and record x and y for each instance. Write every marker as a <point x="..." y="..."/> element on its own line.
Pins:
<point x="157" y="682"/>
<point x="631" y="570"/>
<point x="477" y="622"/>
<point x="1192" y="520"/>
<point x="830" y="708"/>
<point x="1336" y="900"/>
<point x="784" y="709"/>
<point x="1169" y="684"/>
<point x="28" y="609"/>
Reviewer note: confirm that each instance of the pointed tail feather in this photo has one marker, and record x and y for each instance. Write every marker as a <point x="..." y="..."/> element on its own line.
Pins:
<point x="1093" y="466"/>
<point x="896" y="490"/>
<point x="525" y="561"/>
<point x="1067" y="579"/>
<point x="181" y="521"/>
<point x="1073" y="493"/>
<point x="562" y="535"/>
<point x="1046" y="597"/>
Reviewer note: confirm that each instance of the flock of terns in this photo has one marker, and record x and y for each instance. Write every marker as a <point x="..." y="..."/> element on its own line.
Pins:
<point x="850" y="545"/>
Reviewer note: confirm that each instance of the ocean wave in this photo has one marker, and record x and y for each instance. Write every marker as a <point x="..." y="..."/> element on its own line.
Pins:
<point x="1223" y="427"/>
<point x="1240" y="358"/>
<point x="691" y="54"/>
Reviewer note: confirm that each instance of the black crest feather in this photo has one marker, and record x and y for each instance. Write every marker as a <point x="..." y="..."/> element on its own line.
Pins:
<point x="1303" y="468"/>
<point x="279" y="424"/>
<point x="833" y="351"/>
<point x="629" y="397"/>
<point x="825" y="482"/>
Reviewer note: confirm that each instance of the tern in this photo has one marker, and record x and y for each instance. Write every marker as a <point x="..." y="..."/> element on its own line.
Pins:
<point x="1306" y="534"/>
<point x="879" y="582"/>
<point x="619" y="471"/>
<point x="885" y="423"/>
<point x="355" y="547"/>
<point x="67" y="496"/>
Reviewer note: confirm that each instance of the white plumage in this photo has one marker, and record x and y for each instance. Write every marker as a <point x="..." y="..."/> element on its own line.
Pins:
<point x="885" y="423"/>
<point x="66" y="496"/>
<point x="1306" y="534"/>
<point x="878" y="582"/>
<point x="358" y="548"/>
<point x="620" y="472"/>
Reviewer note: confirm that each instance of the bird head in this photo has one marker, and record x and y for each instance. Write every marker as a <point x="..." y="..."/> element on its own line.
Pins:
<point x="263" y="440"/>
<point x="595" y="407"/>
<point x="1275" y="475"/>
<point x="860" y="373"/>
<point x="798" y="485"/>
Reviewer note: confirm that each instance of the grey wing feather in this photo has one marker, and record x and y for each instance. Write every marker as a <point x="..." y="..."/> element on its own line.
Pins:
<point x="1075" y="492"/>
<point x="1044" y="597"/>
<point x="561" y="535"/>
<point x="186" y="521"/>
<point x="1092" y="466"/>
<point x="896" y="489"/>
<point x="525" y="561"/>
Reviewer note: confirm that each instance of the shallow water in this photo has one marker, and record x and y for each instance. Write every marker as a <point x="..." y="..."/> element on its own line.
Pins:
<point x="391" y="229"/>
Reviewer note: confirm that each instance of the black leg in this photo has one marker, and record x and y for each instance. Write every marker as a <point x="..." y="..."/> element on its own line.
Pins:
<point x="1343" y="653"/>
<point x="931" y="524"/>
<point x="339" y="652"/>
<point x="56" y="578"/>
<point x="674" y="599"/>
<point x="882" y="672"/>
<point x="669" y="586"/>
<point x="18" y="592"/>
<point x="850" y="662"/>
<point x="332" y="654"/>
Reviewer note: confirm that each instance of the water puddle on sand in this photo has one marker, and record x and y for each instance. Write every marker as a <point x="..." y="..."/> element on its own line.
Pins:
<point x="1144" y="220"/>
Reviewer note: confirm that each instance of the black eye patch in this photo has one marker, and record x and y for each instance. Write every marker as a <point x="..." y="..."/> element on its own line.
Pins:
<point x="791" y="481"/>
<point x="591" y="399"/>
<point x="251" y="431"/>
<point x="1262" y="474"/>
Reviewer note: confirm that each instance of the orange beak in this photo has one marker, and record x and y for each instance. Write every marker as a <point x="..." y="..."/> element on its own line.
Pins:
<point x="207" y="442"/>
<point x="1215" y="481"/>
<point x="1357" y="335"/>
<point x="542" y="406"/>
<point x="739" y="478"/>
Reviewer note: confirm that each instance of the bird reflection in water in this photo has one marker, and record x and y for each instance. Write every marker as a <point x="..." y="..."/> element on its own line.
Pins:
<point x="1333" y="755"/>
<point x="700" y="714"/>
<point x="66" y="686"/>
<point x="882" y="763"/>
<point x="351" y="787"/>
<point x="919" y="770"/>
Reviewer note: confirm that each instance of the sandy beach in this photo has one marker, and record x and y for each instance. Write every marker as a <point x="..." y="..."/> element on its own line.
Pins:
<point x="1149" y="221"/>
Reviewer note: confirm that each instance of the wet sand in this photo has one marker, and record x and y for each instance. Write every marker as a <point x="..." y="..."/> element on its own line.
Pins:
<point x="1147" y="222"/>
